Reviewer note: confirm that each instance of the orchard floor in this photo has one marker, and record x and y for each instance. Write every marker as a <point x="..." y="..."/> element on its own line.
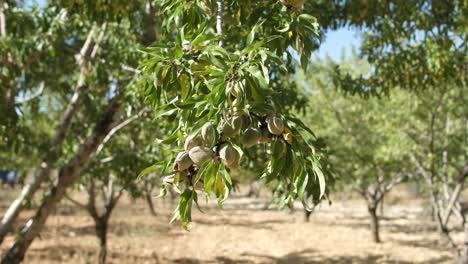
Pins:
<point x="240" y="233"/>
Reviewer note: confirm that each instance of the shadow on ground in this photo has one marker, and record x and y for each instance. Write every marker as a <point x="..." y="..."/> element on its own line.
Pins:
<point x="65" y="253"/>
<point x="264" y="224"/>
<point x="305" y="257"/>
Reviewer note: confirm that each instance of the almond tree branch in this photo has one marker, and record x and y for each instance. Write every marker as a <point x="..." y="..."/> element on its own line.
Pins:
<point x="219" y="19"/>
<point x="75" y="202"/>
<point x="51" y="156"/>
<point x="456" y="193"/>
<point x="68" y="175"/>
<point x="130" y="68"/>
<point x="121" y="125"/>
<point x="33" y="96"/>
<point x="3" y="7"/>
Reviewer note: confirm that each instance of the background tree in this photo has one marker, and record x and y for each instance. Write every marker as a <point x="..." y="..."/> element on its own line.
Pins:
<point x="113" y="173"/>
<point x="104" y="50"/>
<point x="367" y="148"/>
<point x="438" y="132"/>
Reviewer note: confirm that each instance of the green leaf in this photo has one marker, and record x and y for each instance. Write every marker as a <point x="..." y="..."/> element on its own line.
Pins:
<point x="257" y="74"/>
<point x="318" y="172"/>
<point x="169" y="140"/>
<point x="185" y="207"/>
<point x="149" y="169"/>
<point x="204" y="168"/>
<point x="300" y="124"/>
<point x="210" y="178"/>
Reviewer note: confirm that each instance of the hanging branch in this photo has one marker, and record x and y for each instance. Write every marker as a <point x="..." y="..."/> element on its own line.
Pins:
<point x="33" y="96"/>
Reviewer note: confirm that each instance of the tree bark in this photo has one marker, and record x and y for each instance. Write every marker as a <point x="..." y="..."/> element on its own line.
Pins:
<point x="149" y="200"/>
<point x="381" y="207"/>
<point x="463" y="259"/>
<point x="307" y="214"/>
<point x="219" y="19"/>
<point x="67" y="176"/>
<point x="374" y="223"/>
<point x="2" y="19"/>
<point x="101" y="227"/>
<point x="52" y="155"/>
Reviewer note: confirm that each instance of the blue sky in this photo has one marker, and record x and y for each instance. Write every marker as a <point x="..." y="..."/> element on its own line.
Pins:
<point x="337" y="40"/>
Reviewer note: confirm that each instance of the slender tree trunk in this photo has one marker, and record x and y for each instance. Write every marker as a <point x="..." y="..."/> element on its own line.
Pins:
<point x="381" y="207"/>
<point x="67" y="176"/>
<point x="307" y="214"/>
<point x="2" y="19"/>
<point x="149" y="200"/>
<point x="101" y="227"/>
<point x="253" y="190"/>
<point x="374" y="222"/>
<point x="52" y="155"/>
<point x="463" y="259"/>
<point x="441" y="228"/>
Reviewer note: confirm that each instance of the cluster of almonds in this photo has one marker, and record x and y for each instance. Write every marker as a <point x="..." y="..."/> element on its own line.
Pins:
<point x="273" y="125"/>
<point x="197" y="148"/>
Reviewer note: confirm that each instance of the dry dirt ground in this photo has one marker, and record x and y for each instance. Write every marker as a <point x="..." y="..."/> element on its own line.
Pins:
<point x="240" y="233"/>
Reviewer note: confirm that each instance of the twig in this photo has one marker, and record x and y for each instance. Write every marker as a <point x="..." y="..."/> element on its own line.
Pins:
<point x="130" y="68"/>
<point x="99" y="40"/>
<point x="34" y="96"/>
<point x="117" y="128"/>
<point x="75" y="202"/>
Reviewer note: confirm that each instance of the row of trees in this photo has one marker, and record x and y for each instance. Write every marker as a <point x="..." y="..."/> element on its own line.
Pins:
<point x="214" y="84"/>
<point x="377" y="143"/>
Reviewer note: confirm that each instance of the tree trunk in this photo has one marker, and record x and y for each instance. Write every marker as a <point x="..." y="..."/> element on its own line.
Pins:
<point x="149" y="200"/>
<point x="101" y="227"/>
<point x="253" y="190"/>
<point x="307" y="215"/>
<point x="67" y="176"/>
<point x="381" y="207"/>
<point x="374" y="223"/>
<point x="463" y="258"/>
<point x="51" y="156"/>
<point x="17" y="206"/>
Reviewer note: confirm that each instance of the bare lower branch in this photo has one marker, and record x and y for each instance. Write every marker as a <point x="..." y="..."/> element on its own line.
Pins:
<point x="99" y="40"/>
<point x="361" y="192"/>
<point x="130" y="69"/>
<point x="456" y="193"/>
<point x="75" y="202"/>
<point x="33" y="96"/>
<point x="420" y="167"/>
<point x="118" y="127"/>
<point x="395" y="181"/>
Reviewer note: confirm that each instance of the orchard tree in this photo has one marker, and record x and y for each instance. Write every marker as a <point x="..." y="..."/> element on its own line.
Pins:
<point x="439" y="132"/>
<point x="367" y="149"/>
<point x="83" y="60"/>
<point x="218" y="75"/>
<point x="112" y="173"/>
<point x="40" y="48"/>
